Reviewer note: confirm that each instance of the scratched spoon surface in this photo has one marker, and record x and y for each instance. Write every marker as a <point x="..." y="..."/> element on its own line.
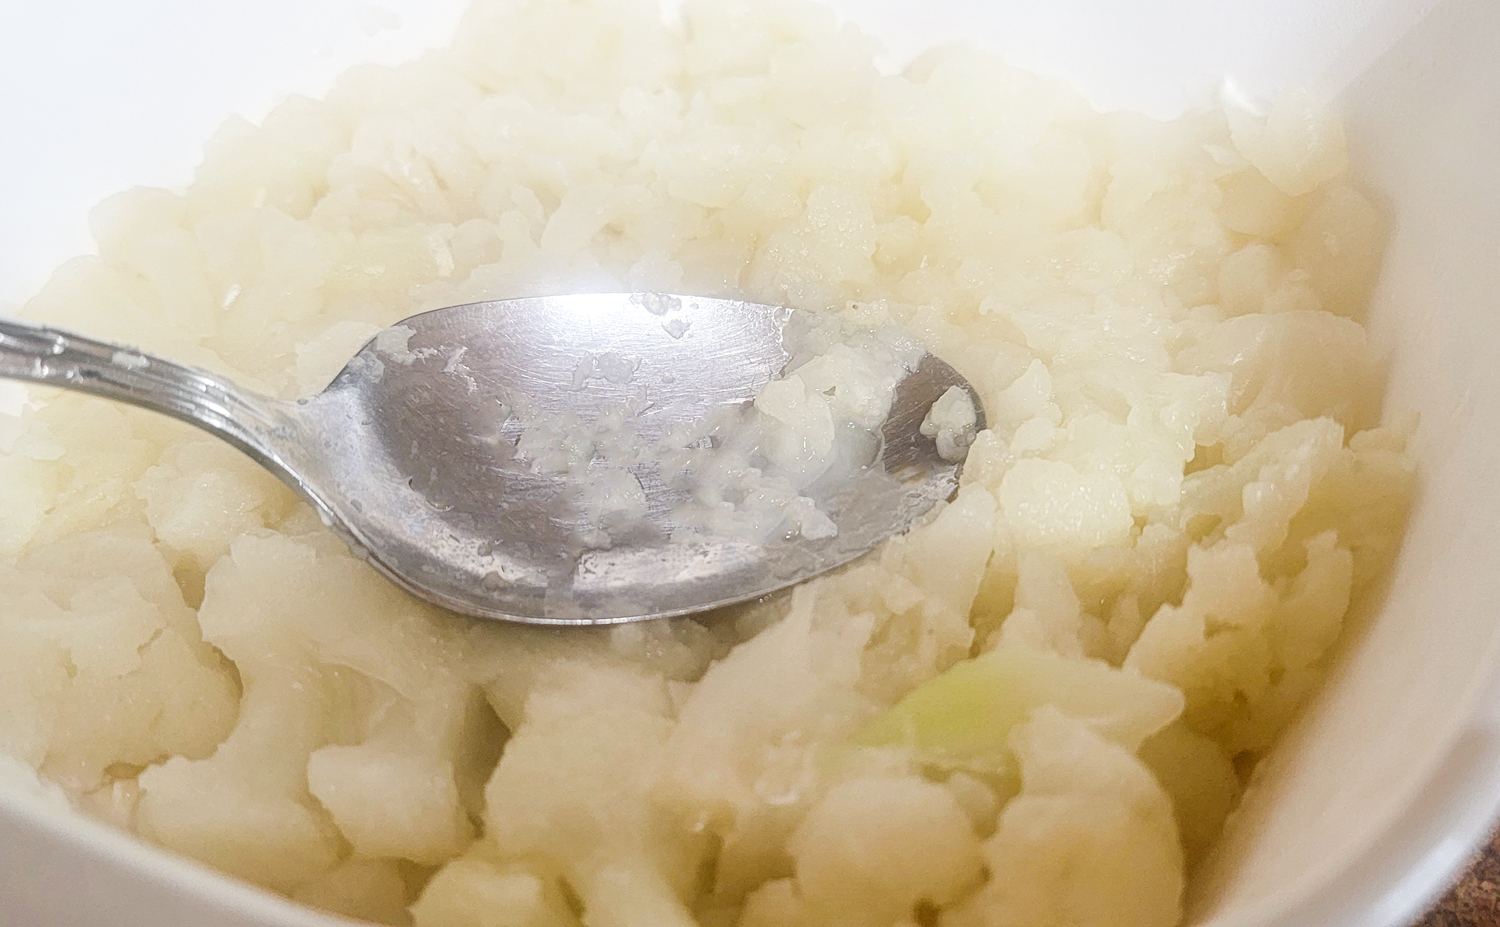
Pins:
<point x="393" y="453"/>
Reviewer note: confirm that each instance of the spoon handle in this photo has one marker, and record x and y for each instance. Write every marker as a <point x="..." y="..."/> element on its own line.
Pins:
<point x="251" y="422"/>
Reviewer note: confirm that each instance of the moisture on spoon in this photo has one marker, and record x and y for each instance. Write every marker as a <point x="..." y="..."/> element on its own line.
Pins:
<point x="586" y="459"/>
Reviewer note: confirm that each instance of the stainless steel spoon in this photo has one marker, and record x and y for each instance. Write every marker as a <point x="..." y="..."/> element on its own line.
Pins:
<point x="398" y="457"/>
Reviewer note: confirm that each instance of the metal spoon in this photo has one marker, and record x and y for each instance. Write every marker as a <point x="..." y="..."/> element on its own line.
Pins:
<point x="398" y="456"/>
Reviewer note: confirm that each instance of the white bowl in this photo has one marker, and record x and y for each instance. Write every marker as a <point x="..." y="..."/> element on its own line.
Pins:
<point x="1377" y="795"/>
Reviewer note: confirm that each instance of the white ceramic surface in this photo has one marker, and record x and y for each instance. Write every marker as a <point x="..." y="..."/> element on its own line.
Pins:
<point x="1376" y="796"/>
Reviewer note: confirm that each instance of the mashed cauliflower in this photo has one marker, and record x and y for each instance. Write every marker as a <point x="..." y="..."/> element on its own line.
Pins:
<point x="1035" y="709"/>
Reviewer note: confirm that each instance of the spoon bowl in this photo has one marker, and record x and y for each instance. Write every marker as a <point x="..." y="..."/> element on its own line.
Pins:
<point x="410" y="454"/>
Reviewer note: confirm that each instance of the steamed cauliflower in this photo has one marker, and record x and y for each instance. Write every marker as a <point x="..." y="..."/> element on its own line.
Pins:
<point x="1089" y="839"/>
<point x="1035" y="708"/>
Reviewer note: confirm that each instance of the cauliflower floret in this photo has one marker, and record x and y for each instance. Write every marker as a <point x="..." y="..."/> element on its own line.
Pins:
<point x="365" y="889"/>
<point x="387" y="802"/>
<point x="1285" y="368"/>
<point x="799" y="436"/>
<point x="1047" y="615"/>
<point x="871" y="849"/>
<point x="951" y="422"/>
<point x="1339" y="246"/>
<point x="1201" y="780"/>
<point x="204" y="494"/>
<point x="924" y="586"/>
<point x="71" y="471"/>
<point x="477" y="891"/>
<point x="1242" y="651"/>
<point x="572" y="788"/>
<point x="109" y="668"/>
<point x="379" y="757"/>
<point x="1052" y="505"/>
<point x="743" y="757"/>
<point x="246" y="809"/>
<point x="321" y="358"/>
<point x="1298" y="145"/>
<point x="1089" y="842"/>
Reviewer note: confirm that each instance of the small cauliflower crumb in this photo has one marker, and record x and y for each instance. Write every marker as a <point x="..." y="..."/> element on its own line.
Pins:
<point x="951" y="422"/>
<point x="393" y="342"/>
